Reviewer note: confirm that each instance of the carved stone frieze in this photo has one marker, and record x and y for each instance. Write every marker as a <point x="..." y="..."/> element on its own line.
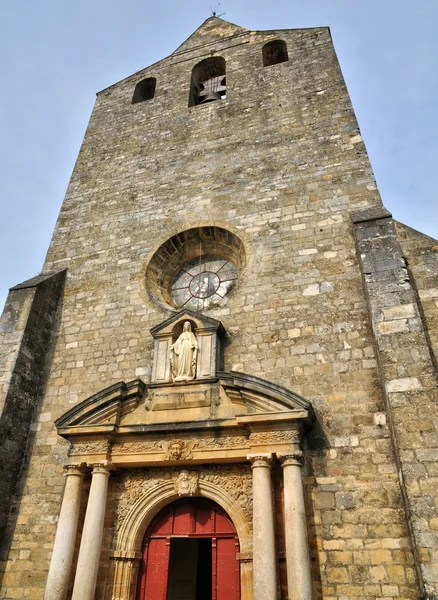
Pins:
<point x="267" y="437"/>
<point x="90" y="448"/>
<point x="137" y="447"/>
<point x="238" y="441"/>
<point x="181" y="449"/>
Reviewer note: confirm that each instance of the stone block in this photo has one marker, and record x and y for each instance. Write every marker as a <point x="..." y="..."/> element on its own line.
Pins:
<point x="406" y="384"/>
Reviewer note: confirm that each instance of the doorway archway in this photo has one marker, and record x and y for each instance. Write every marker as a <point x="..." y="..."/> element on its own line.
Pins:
<point x="190" y="553"/>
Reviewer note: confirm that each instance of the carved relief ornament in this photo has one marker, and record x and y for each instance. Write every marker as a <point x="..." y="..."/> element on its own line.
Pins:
<point x="90" y="448"/>
<point x="267" y="437"/>
<point x="291" y="459"/>
<point x="182" y="449"/>
<point x="235" y="479"/>
<point x="178" y="450"/>
<point x="262" y="459"/>
<point x="186" y="483"/>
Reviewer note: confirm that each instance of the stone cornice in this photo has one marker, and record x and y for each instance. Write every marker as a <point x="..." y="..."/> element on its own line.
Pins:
<point x="273" y="420"/>
<point x="105" y="408"/>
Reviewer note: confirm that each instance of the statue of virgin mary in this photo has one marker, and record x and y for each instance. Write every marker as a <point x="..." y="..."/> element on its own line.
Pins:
<point x="183" y="355"/>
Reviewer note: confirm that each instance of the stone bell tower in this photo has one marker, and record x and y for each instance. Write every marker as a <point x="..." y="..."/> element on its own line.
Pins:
<point x="223" y="383"/>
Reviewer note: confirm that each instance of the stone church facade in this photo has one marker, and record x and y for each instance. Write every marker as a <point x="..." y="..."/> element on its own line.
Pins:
<point x="223" y="384"/>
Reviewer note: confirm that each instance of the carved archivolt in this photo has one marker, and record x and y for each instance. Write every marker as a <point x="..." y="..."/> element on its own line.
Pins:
<point x="236" y="480"/>
<point x="141" y="493"/>
<point x="182" y="449"/>
<point x="132" y="485"/>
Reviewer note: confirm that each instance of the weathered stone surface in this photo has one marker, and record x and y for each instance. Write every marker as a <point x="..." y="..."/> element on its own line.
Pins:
<point x="26" y="338"/>
<point x="401" y="330"/>
<point x="326" y="307"/>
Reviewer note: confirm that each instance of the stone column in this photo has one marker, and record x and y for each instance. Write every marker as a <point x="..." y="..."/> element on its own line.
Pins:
<point x="63" y="548"/>
<point x="299" y="580"/>
<point x="91" y="542"/>
<point x="264" y="555"/>
<point x="124" y="568"/>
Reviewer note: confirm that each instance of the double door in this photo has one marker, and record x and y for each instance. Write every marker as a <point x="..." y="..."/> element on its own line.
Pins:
<point x="190" y="553"/>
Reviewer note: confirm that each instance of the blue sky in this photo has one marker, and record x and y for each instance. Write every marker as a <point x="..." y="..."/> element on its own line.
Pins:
<point x="55" y="55"/>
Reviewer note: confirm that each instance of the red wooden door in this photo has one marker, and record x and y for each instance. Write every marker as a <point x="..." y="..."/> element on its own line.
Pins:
<point x="153" y="569"/>
<point x="227" y="569"/>
<point x="194" y="518"/>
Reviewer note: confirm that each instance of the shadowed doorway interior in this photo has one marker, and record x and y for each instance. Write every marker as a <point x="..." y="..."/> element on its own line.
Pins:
<point x="190" y="569"/>
<point x="190" y="553"/>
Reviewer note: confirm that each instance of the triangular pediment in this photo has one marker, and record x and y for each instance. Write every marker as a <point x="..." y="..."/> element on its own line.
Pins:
<point x="111" y="409"/>
<point x="197" y="319"/>
<point x="258" y="396"/>
<point x="211" y="31"/>
<point x="104" y="409"/>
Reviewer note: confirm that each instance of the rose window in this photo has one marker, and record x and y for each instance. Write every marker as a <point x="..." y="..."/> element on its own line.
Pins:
<point x="196" y="269"/>
<point x="203" y="283"/>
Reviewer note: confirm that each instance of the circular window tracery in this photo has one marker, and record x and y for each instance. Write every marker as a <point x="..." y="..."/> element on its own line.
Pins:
<point x="196" y="268"/>
<point x="203" y="283"/>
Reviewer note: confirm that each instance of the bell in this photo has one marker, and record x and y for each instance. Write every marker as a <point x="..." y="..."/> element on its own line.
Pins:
<point x="209" y="96"/>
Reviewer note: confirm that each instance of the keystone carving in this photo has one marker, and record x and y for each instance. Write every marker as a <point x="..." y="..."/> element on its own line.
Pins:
<point x="186" y="483"/>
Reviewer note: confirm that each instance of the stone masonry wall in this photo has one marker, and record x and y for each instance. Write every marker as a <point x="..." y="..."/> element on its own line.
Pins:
<point x="26" y="329"/>
<point x="421" y="253"/>
<point x="281" y="164"/>
<point x="409" y="378"/>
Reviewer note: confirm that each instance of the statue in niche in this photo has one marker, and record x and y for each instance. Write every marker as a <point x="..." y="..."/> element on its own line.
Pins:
<point x="183" y="355"/>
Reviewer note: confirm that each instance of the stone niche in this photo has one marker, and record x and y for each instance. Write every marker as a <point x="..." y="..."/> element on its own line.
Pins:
<point x="208" y="333"/>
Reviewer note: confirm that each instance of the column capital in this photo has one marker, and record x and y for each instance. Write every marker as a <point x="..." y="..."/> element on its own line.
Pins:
<point x="77" y="469"/>
<point x="104" y="467"/>
<point x="295" y="458"/>
<point x="261" y="459"/>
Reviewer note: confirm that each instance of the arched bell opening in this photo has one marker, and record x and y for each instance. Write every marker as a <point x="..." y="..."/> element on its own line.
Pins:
<point x="274" y="52"/>
<point x="144" y="90"/>
<point x="208" y="81"/>
<point x="190" y="551"/>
